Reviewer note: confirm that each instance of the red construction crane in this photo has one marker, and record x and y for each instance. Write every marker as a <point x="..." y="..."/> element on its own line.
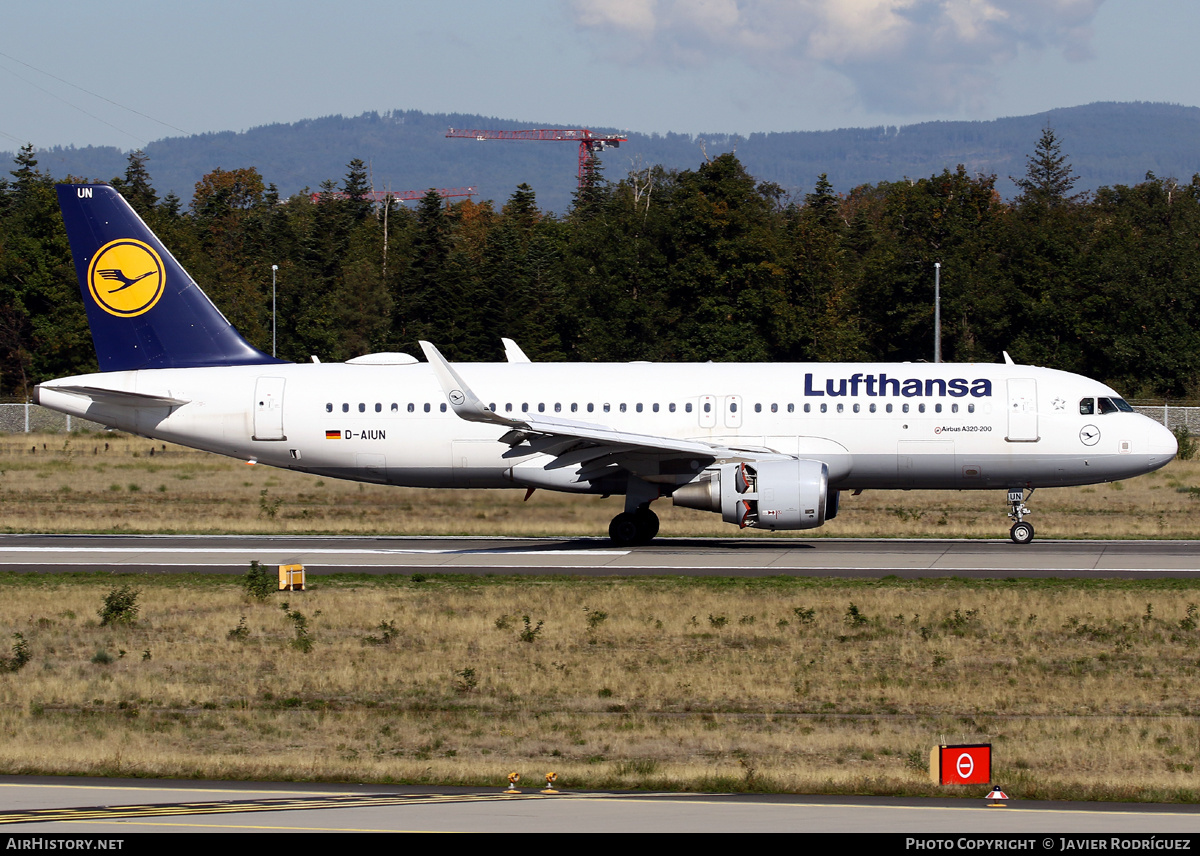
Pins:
<point x="379" y="196"/>
<point x="589" y="142"/>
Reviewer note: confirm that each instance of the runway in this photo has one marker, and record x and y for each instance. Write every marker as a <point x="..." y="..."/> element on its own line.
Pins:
<point x="116" y="808"/>
<point x="819" y="557"/>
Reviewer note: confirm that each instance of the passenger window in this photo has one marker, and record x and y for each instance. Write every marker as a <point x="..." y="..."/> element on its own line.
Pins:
<point x="591" y="407"/>
<point x="378" y="407"/>
<point x="426" y="406"/>
<point x="888" y="407"/>
<point x="872" y="406"/>
<point x="937" y="408"/>
<point x="574" y="407"/>
<point x="841" y="407"/>
<point x="442" y="407"/>
<point x="921" y="407"/>
<point x="774" y="408"/>
<point x="954" y="408"/>
<point x="329" y="407"/>
<point x="622" y="406"/>
<point x="557" y="407"/>
<point x="807" y="407"/>
<point x="396" y="407"/>
<point x="524" y="406"/>
<point x="345" y="407"/>
<point x="1087" y="406"/>
<point x="654" y="407"/>
<point x="671" y="407"/>
<point x="824" y="407"/>
<point x="639" y="407"/>
<point x="708" y="407"/>
<point x="508" y="407"/>
<point x="733" y="407"/>
<point x="688" y="407"/>
<point x="758" y="408"/>
<point x="411" y="407"/>
<point x="607" y="407"/>
<point x="856" y="407"/>
<point x="791" y="408"/>
<point x="970" y="408"/>
<point x="362" y="407"/>
<point x="904" y="407"/>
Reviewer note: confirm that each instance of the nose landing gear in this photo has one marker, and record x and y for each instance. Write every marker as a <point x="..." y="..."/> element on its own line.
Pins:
<point x="1021" y="532"/>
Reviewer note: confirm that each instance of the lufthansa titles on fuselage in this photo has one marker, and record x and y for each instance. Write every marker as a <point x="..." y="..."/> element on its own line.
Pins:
<point x="882" y="385"/>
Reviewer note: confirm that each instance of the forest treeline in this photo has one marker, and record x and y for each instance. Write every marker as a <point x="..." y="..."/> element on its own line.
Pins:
<point x="680" y="265"/>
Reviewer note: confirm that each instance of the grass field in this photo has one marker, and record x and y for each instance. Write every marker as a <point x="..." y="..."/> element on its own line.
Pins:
<point x="1085" y="689"/>
<point x="116" y="483"/>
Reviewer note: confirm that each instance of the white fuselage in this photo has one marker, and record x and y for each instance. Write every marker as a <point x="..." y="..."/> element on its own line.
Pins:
<point x="876" y="426"/>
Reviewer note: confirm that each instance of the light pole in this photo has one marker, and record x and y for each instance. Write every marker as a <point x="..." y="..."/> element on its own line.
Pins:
<point x="937" y="312"/>
<point x="273" y="269"/>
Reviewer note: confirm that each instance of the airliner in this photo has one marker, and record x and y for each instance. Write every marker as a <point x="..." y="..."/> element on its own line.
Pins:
<point x="766" y="446"/>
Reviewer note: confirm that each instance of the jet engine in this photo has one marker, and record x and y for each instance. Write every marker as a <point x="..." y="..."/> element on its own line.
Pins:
<point x="790" y="494"/>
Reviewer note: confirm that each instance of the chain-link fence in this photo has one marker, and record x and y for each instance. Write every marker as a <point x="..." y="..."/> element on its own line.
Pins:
<point x="26" y="417"/>
<point x="1174" y="416"/>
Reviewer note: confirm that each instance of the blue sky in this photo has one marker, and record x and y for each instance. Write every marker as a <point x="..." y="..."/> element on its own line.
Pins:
<point x="124" y="73"/>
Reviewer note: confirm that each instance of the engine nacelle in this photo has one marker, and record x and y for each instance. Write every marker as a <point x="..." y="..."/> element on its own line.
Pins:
<point x="792" y="494"/>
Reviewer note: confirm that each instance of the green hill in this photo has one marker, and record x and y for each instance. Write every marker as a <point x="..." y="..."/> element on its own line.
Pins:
<point x="1108" y="144"/>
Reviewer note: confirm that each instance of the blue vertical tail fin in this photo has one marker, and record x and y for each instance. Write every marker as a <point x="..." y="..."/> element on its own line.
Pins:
<point x="143" y="308"/>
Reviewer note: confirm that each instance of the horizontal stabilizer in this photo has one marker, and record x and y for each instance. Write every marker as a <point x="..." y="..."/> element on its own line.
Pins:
<point x="116" y="396"/>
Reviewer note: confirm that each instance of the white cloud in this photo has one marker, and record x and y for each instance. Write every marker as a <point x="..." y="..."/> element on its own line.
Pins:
<point x="901" y="55"/>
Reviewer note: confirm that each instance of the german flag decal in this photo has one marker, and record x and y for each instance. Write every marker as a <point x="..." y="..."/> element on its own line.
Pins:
<point x="333" y="435"/>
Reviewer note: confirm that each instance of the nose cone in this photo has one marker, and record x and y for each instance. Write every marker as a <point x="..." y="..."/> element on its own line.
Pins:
<point x="1161" y="445"/>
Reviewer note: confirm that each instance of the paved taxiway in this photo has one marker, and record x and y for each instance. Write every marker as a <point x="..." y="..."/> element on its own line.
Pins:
<point x="120" y="807"/>
<point x="594" y="557"/>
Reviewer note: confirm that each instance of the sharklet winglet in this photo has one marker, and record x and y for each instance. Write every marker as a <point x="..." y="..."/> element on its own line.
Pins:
<point x="465" y="403"/>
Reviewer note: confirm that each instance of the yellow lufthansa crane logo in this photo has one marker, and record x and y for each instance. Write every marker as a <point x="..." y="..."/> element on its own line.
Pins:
<point x="126" y="277"/>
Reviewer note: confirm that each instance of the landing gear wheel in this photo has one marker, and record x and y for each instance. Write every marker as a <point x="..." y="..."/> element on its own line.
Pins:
<point x="632" y="528"/>
<point x="647" y="525"/>
<point x="1021" y="533"/>
<point x="624" y="529"/>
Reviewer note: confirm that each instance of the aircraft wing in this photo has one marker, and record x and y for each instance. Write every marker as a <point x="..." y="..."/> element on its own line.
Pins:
<point x="593" y="448"/>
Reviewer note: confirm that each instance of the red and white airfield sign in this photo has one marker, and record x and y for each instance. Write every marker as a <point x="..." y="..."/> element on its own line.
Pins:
<point x="964" y="764"/>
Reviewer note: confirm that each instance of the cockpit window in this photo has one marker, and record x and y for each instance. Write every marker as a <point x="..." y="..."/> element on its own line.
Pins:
<point x="1106" y="406"/>
<point x="1087" y="406"/>
<point x="1122" y="405"/>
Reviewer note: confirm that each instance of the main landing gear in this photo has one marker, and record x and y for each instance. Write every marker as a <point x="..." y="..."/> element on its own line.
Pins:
<point x="637" y="524"/>
<point x="633" y="528"/>
<point x="1021" y="532"/>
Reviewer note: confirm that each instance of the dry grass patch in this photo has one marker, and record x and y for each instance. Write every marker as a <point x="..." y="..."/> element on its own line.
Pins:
<point x="1085" y="689"/>
<point x="117" y="483"/>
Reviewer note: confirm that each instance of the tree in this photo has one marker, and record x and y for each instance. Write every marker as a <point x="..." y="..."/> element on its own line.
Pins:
<point x="222" y="191"/>
<point x="43" y="331"/>
<point x="822" y="203"/>
<point x="1048" y="177"/>
<point x="592" y="189"/>
<point x="357" y="186"/>
<point x="136" y="186"/>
